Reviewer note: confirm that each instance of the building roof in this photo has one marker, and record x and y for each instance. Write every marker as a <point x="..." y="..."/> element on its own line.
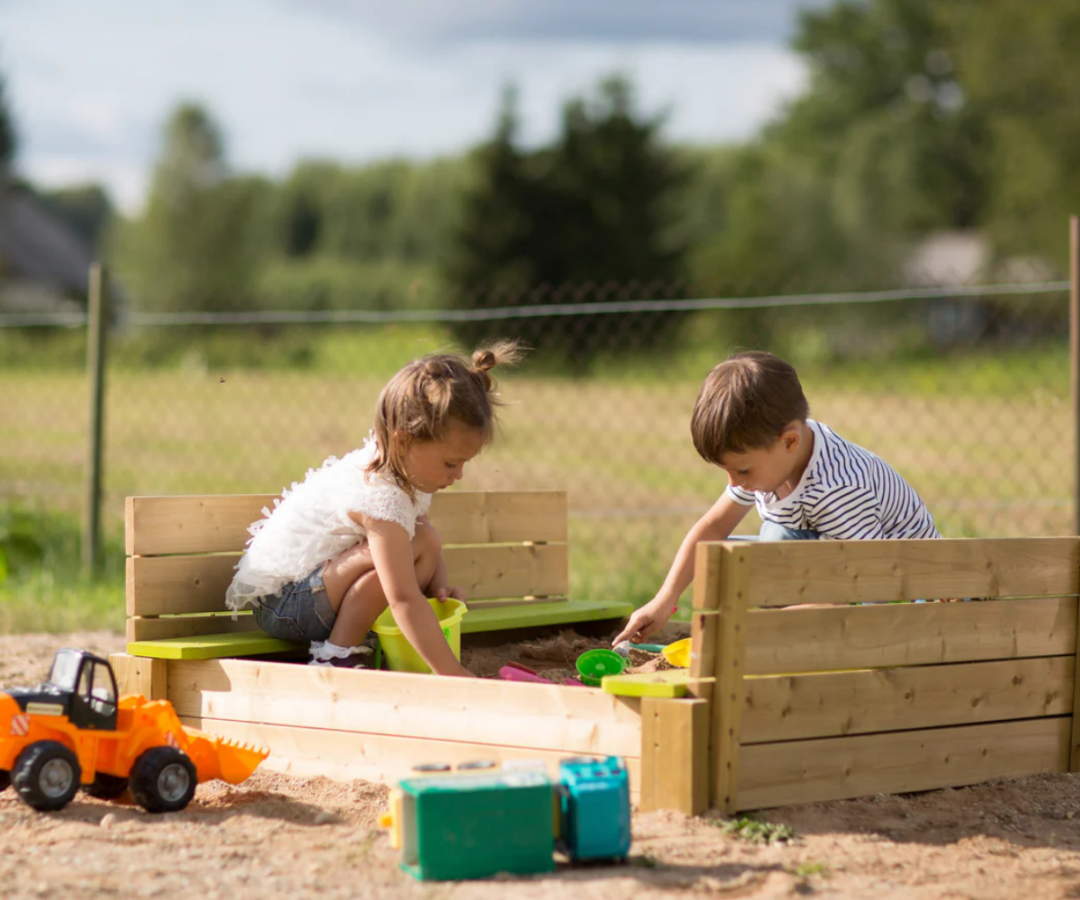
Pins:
<point x="37" y="246"/>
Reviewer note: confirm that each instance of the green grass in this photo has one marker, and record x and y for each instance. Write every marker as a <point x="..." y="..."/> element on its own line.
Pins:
<point x="41" y="585"/>
<point x="753" y="831"/>
<point x="979" y="435"/>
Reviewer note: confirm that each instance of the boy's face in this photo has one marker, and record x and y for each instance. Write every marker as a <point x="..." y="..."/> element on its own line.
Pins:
<point x="763" y="469"/>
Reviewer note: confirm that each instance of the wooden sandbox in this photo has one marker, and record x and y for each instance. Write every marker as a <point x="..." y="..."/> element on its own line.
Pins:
<point x="785" y="705"/>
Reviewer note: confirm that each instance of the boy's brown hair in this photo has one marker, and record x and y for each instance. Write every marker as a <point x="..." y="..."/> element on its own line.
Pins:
<point x="744" y="404"/>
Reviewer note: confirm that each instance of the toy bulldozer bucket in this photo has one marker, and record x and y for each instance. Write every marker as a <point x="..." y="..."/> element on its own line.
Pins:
<point x="216" y="757"/>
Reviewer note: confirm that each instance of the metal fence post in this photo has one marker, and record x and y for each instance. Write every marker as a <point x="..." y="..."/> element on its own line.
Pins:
<point x="96" y="326"/>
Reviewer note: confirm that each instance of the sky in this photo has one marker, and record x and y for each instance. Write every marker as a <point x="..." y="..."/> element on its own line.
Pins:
<point x="91" y="84"/>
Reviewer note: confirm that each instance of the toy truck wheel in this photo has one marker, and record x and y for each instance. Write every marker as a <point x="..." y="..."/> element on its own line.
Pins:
<point x="106" y="787"/>
<point x="46" y="775"/>
<point x="5" y="780"/>
<point x="163" y="780"/>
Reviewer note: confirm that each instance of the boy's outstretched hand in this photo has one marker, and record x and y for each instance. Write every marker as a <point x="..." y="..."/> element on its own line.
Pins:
<point x="646" y="621"/>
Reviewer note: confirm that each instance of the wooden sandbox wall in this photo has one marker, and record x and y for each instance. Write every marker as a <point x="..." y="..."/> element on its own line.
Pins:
<point x="787" y="704"/>
<point x="811" y="704"/>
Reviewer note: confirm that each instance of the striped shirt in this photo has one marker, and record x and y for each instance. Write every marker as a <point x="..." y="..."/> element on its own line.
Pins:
<point x="845" y="493"/>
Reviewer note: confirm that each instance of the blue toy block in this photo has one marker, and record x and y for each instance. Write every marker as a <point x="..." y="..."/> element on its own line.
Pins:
<point x="594" y="805"/>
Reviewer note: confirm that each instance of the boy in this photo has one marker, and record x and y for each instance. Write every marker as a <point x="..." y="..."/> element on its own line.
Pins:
<point x="751" y="420"/>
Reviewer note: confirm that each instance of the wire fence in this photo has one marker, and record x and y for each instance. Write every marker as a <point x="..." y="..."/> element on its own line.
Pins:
<point x="964" y="389"/>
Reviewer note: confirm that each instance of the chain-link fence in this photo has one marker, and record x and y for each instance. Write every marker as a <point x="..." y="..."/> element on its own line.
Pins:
<point x="965" y="390"/>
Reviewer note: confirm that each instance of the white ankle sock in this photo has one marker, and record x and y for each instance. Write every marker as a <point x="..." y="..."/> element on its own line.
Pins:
<point x="324" y="651"/>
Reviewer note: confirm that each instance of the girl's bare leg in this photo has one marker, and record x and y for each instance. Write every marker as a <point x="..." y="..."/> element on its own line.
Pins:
<point x="360" y="603"/>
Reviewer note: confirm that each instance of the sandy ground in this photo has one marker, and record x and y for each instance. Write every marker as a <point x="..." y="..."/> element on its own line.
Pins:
<point x="281" y="837"/>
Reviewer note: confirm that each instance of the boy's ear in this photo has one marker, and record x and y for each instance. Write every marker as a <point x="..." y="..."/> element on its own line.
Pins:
<point x="790" y="439"/>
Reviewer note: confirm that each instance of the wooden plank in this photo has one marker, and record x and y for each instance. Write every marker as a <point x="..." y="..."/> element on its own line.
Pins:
<point x="476" y="605"/>
<point x="535" y="615"/>
<point x="787" y="572"/>
<point x="136" y="675"/>
<point x="344" y="755"/>
<point x="176" y="585"/>
<point x="171" y="633"/>
<point x="1074" y="740"/>
<point x="907" y="634"/>
<point x="508" y="570"/>
<point x="703" y="621"/>
<point x="219" y="523"/>
<point x="669" y="683"/>
<point x="212" y="646"/>
<point x="897" y="762"/>
<point x="492" y="517"/>
<point x="784" y="708"/>
<point x="728" y="699"/>
<point x="675" y="755"/>
<point x="191" y="524"/>
<point x="184" y="627"/>
<point x="479" y="711"/>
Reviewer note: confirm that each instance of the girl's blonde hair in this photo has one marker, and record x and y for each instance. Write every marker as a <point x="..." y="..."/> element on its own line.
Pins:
<point x="421" y="401"/>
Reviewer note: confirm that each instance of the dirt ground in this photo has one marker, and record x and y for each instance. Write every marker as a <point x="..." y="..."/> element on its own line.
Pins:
<point x="280" y="837"/>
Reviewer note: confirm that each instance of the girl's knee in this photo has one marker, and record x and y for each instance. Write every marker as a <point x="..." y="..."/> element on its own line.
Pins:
<point x="426" y="542"/>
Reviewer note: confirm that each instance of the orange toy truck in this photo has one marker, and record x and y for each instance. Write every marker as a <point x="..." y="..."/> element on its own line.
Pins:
<point x="73" y="731"/>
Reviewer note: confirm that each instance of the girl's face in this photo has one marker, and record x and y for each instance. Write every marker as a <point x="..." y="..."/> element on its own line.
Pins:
<point x="432" y="466"/>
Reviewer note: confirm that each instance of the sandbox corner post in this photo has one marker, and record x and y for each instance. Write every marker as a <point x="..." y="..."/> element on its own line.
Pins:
<point x="729" y="693"/>
<point x="140" y="675"/>
<point x="704" y="623"/>
<point x="1074" y="741"/>
<point x="675" y="755"/>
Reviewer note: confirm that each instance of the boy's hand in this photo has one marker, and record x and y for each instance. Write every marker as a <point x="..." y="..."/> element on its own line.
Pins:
<point x="646" y="621"/>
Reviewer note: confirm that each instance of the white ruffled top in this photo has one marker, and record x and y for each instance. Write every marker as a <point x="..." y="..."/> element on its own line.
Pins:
<point x="310" y="524"/>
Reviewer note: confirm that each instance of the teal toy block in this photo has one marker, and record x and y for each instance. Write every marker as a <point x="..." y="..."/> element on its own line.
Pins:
<point x="473" y="826"/>
<point x="594" y="807"/>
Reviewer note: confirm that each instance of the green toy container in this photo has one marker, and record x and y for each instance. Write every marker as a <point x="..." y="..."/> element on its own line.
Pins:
<point x="594" y="665"/>
<point x="400" y="654"/>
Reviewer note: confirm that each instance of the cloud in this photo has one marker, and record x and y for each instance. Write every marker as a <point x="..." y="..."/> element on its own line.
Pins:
<point x="594" y="21"/>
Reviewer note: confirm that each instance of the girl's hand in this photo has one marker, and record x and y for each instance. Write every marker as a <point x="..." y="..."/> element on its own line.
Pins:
<point x="447" y="593"/>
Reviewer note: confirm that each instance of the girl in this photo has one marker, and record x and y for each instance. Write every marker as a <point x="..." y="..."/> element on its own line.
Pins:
<point x="355" y="537"/>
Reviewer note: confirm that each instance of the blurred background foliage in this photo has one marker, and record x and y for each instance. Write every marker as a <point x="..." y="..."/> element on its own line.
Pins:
<point x="919" y="117"/>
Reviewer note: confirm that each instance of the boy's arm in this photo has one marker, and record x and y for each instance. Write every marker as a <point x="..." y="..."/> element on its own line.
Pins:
<point x="392" y="553"/>
<point x="716" y="525"/>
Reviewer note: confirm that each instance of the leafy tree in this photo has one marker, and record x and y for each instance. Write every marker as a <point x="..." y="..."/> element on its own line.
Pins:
<point x="593" y="207"/>
<point x="8" y="138"/>
<point x="1019" y="63"/>
<point x="196" y="247"/>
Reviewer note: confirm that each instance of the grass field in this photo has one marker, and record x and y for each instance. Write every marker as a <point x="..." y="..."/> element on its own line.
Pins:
<point x="983" y="437"/>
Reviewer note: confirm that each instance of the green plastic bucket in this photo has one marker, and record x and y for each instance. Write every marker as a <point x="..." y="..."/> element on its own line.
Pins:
<point x="400" y="654"/>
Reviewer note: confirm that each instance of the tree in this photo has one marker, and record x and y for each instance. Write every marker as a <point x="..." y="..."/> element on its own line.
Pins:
<point x="1019" y="63"/>
<point x="196" y="247"/>
<point x="8" y="138"/>
<point x="591" y="208"/>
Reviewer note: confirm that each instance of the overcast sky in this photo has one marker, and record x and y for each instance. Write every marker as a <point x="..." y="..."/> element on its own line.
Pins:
<point x="90" y="83"/>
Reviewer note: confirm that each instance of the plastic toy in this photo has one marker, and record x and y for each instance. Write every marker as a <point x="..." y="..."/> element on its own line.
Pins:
<point x="395" y="648"/>
<point x="472" y="825"/>
<point x="593" y="665"/>
<point x="72" y="731"/>
<point x="678" y="654"/>
<point x="623" y="648"/>
<point x="513" y="671"/>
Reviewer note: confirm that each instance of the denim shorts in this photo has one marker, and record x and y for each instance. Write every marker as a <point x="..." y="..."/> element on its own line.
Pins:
<point x="298" y="612"/>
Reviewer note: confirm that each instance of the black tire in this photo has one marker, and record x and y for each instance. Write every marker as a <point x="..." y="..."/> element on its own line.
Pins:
<point x="163" y="780"/>
<point x="46" y="775"/>
<point x="106" y="787"/>
<point x="5" y="780"/>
